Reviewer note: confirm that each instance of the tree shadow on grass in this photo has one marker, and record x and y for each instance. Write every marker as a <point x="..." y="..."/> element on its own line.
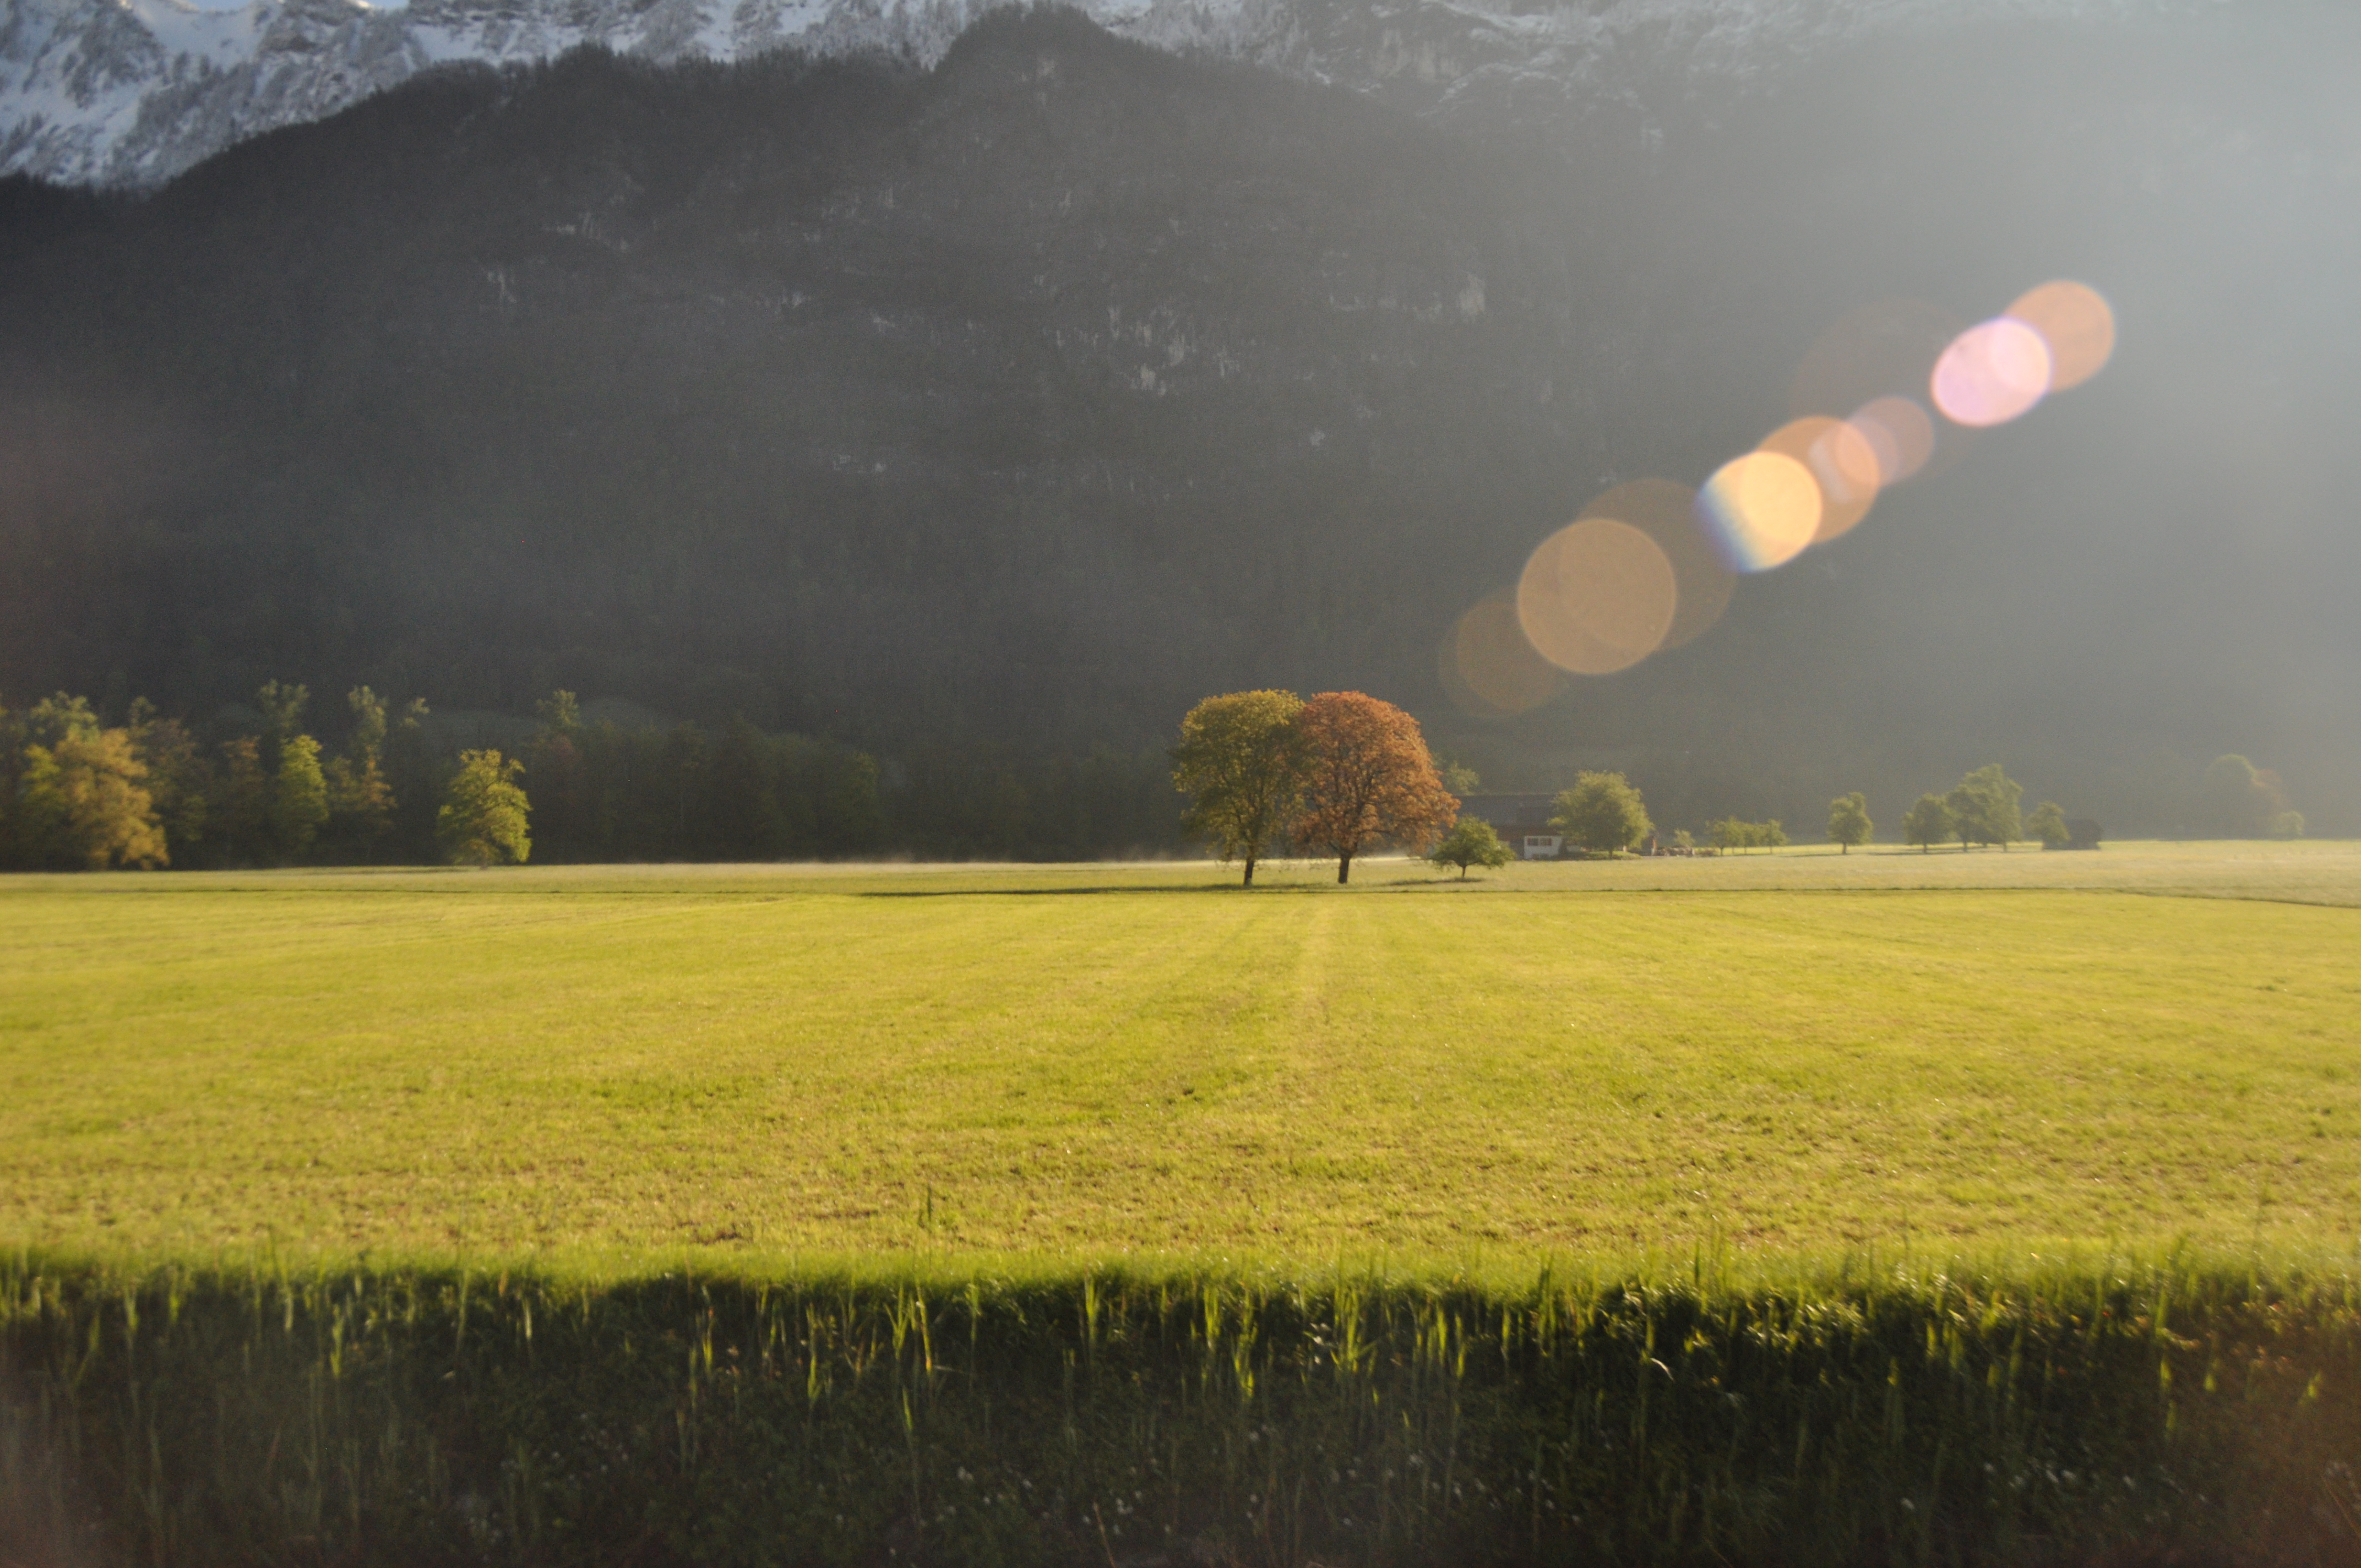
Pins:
<point x="1066" y="891"/>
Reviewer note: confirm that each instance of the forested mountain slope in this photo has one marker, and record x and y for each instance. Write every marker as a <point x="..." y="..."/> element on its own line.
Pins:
<point x="1037" y="394"/>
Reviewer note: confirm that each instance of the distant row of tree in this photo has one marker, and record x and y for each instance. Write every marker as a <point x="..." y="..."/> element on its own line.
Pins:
<point x="261" y="790"/>
<point x="1266" y="772"/>
<point x="1603" y="814"/>
<point x="76" y="793"/>
<point x="602" y="790"/>
<point x="1981" y="808"/>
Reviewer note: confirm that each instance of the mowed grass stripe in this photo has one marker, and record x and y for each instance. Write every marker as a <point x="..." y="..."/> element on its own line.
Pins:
<point x="1295" y="1077"/>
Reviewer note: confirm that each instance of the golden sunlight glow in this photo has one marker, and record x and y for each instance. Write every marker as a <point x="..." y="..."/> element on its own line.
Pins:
<point x="1763" y="508"/>
<point x="1598" y="596"/>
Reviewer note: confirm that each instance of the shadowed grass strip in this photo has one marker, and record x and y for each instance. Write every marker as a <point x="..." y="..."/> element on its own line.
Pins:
<point x="420" y="1416"/>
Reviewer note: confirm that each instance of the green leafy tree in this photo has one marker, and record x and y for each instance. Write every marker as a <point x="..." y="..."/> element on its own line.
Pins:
<point x="53" y="718"/>
<point x="2047" y="824"/>
<point x="484" y="814"/>
<point x="1849" y="822"/>
<point x="560" y="712"/>
<point x="82" y="803"/>
<point x="1241" y="761"/>
<point x="360" y="801"/>
<point x="283" y="714"/>
<point x="1460" y="779"/>
<point x="1602" y="813"/>
<point x="368" y="724"/>
<point x="1983" y="807"/>
<point x="1471" y="842"/>
<point x="239" y="813"/>
<point x="299" y="797"/>
<point x="1731" y="833"/>
<point x="178" y="779"/>
<point x="1927" y="824"/>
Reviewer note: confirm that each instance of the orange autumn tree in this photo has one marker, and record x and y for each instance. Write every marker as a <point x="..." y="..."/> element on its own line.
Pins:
<point x="1369" y="779"/>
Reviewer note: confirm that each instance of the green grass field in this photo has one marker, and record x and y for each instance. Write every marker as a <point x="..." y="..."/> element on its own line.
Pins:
<point x="1832" y="1210"/>
<point x="1983" y="1054"/>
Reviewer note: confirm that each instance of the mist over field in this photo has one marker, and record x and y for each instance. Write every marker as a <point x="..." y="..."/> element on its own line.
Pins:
<point x="1032" y="396"/>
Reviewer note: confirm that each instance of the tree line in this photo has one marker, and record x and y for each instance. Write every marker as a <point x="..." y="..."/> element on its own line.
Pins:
<point x="79" y="794"/>
<point x="147" y="791"/>
<point x="1265" y="772"/>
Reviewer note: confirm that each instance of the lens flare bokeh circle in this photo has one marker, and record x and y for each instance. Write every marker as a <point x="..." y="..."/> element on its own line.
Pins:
<point x="1598" y="596"/>
<point x="1900" y="433"/>
<point x="2076" y="323"/>
<point x="1845" y="463"/>
<point x="1488" y="668"/>
<point x="1666" y="512"/>
<point x="1762" y="508"/>
<point x="1991" y="373"/>
<point x="1880" y="351"/>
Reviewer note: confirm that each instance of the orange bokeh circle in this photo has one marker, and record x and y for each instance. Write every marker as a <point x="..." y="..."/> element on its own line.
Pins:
<point x="2078" y="324"/>
<point x="1764" y="507"/>
<point x="1843" y="460"/>
<point x="1488" y="668"/>
<point x="1598" y="596"/>
<point x="1666" y="512"/>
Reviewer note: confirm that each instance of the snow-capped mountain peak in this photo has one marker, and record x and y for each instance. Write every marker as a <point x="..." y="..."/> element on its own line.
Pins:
<point x="129" y="92"/>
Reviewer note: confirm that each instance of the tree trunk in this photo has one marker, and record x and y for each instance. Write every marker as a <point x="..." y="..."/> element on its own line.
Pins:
<point x="1249" y="882"/>
<point x="1344" y="869"/>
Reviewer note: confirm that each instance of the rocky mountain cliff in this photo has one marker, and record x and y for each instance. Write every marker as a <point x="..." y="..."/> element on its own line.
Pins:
<point x="132" y="91"/>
